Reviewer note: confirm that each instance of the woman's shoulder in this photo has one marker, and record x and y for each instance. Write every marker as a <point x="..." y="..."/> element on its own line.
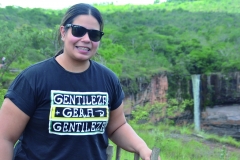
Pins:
<point x="39" y="67"/>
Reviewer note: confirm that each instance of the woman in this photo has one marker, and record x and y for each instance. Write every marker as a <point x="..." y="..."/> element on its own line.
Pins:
<point x="67" y="107"/>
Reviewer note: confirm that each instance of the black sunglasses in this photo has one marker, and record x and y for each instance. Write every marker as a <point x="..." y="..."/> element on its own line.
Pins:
<point x="79" y="31"/>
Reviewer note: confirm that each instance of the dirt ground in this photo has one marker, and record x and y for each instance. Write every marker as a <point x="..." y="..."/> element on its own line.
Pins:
<point x="212" y="144"/>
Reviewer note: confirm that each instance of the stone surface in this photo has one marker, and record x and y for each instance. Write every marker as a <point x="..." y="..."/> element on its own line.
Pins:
<point x="223" y="120"/>
<point x="155" y="91"/>
<point x="221" y="91"/>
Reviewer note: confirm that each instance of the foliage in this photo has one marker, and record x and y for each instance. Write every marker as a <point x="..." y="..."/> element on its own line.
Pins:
<point x="109" y="55"/>
<point x="223" y="154"/>
<point x="223" y="139"/>
<point x="178" y="37"/>
<point x="2" y="93"/>
<point x="173" y="108"/>
<point x="140" y="114"/>
<point x="174" y="144"/>
<point x="13" y="47"/>
<point x="176" y="107"/>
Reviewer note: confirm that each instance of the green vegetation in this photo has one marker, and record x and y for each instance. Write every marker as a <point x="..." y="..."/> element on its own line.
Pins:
<point x="161" y="111"/>
<point x="178" y="141"/>
<point x="2" y="93"/>
<point x="174" y="143"/>
<point x="177" y="37"/>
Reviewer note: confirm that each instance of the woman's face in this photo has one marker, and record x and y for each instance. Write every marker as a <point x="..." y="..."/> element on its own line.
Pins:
<point x="80" y="48"/>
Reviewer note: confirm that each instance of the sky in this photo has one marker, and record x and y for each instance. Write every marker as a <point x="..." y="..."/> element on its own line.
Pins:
<point x="54" y="4"/>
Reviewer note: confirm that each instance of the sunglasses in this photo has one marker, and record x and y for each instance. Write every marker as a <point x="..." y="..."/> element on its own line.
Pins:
<point x="79" y="31"/>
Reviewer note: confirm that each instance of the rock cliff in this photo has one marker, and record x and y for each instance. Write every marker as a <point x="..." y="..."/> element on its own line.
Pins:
<point x="155" y="91"/>
<point x="219" y="94"/>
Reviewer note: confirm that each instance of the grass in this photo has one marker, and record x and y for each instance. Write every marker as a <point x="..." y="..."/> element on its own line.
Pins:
<point x="225" y="139"/>
<point x="183" y="147"/>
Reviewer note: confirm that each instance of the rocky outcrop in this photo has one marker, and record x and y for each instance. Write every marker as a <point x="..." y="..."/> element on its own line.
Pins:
<point x="220" y="102"/>
<point x="220" y="89"/>
<point x="219" y="94"/>
<point x="223" y="120"/>
<point x="155" y="91"/>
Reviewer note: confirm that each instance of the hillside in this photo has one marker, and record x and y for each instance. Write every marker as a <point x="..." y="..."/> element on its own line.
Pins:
<point x="180" y="38"/>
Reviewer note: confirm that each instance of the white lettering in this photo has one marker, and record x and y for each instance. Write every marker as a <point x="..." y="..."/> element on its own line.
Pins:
<point x="83" y="98"/>
<point x="68" y="113"/>
<point x="75" y="112"/>
<point x="78" y="97"/>
<point x="81" y="113"/>
<point x="89" y="102"/>
<point x="65" y="99"/>
<point x="93" y="126"/>
<point x="103" y="126"/>
<point x="99" y="100"/>
<point x="94" y="100"/>
<point x="82" y="127"/>
<point x="72" y="99"/>
<point x="90" y="111"/>
<point x="101" y="113"/>
<point x="65" y="125"/>
<point x="57" y="99"/>
<point x="72" y="127"/>
<point x="57" y="126"/>
<point x="105" y="100"/>
<point x="87" y="129"/>
<point x="78" y="126"/>
<point x="98" y="125"/>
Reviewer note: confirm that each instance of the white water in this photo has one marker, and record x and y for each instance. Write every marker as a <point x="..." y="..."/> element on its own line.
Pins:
<point x="196" y="97"/>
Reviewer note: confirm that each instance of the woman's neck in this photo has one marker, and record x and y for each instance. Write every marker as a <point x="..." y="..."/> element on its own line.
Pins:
<point x="72" y="65"/>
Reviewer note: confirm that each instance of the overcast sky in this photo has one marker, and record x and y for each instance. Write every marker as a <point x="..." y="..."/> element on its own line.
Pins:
<point x="52" y="4"/>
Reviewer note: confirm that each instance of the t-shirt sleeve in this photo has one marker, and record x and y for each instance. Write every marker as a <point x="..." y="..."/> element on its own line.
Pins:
<point x="21" y="94"/>
<point x="118" y="95"/>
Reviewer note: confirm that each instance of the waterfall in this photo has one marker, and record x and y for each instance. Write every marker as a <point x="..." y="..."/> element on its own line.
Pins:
<point x="196" y="97"/>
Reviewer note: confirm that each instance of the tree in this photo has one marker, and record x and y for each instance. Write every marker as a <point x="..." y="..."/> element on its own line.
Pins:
<point x="108" y="55"/>
<point x="14" y="45"/>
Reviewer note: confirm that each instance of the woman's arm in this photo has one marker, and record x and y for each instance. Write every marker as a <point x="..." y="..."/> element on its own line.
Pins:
<point x="121" y="133"/>
<point x="12" y="124"/>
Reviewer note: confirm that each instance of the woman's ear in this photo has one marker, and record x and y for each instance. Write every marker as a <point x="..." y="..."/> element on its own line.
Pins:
<point x="62" y="31"/>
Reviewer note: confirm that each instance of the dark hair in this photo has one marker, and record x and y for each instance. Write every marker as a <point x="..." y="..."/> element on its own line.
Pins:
<point x="76" y="10"/>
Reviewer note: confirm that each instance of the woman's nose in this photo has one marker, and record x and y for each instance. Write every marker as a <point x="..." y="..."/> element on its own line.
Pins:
<point x="85" y="37"/>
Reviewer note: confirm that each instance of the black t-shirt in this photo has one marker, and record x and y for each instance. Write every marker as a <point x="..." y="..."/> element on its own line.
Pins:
<point x="68" y="111"/>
